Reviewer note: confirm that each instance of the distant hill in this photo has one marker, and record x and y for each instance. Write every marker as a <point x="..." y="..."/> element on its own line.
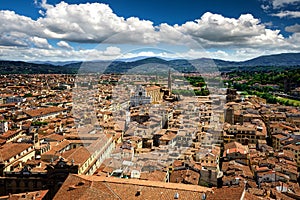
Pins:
<point x="19" y="67"/>
<point x="56" y="63"/>
<point x="285" y="59"/>
<point x="262" y="63"/>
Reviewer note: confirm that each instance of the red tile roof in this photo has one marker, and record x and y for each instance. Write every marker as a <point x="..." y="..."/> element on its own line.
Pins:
<point x="42" y="111"/>
<point x="99" y="187"/>
<point x="9" y="150"/>
<point x="226" y="193"/>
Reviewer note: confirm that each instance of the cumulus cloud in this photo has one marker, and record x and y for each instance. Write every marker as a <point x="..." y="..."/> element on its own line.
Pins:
<point x="37" y="54"/>
<point x="23" y="40"/>
<point x="64" y="45"/>
<point x="40" y="42"/>
<point x="97" y="23"/>
<point x="112" y="51"/>
<point x="287" y="14"/>
<point x="12" y="39"/>
<point x="282" y="8"/>
<point x="293" y="29"/>
<point x="93" y="23"/>
<point x="294" y="41"/>
<point x="214" y="30"/>
<point x="12" y="22"/>
<point x="281" y="3"/>
<point x="18" y="30"/>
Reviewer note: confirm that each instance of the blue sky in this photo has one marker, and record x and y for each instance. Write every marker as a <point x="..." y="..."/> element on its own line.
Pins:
<point x="93" y="30"/>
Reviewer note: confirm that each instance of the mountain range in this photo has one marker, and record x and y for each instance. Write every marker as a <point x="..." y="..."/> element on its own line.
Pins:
<point x="262" y="63"/>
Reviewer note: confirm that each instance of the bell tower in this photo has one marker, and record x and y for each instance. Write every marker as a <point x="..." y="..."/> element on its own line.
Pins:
<point x="170" y="82"/>
<point x="36" y="143"/>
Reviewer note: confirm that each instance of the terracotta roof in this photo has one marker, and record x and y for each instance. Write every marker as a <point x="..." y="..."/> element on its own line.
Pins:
<point x="279" y="136"/>
<point x="249" y="196"/>
<point x="2" y="141"/>
<point x="153" y="176"/>
<point x="226" y="193"/>
<point x="99" y="187"/>
<point x="9" y="133"/>
<point x="177" y="163"/>
<point x="42" y="111"/>
<point x="9" y="150"/>
<point x="79" y="155"/>
<point x="168" y="136"/>
<point x="56" y="147"/>
<point x="293" y="146"/>
<point x="234" y="147"/>
<point x="154" y="87"/>
<point x="37" y="195"/>
<point x="185" y="176"/>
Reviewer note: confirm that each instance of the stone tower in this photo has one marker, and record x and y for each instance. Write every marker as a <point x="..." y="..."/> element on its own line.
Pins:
<point x="170" y="82"/>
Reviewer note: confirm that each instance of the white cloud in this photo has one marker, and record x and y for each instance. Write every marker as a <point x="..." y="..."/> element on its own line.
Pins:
<point x="281" y="3"/>
<point x="64" y="45"/>
<point x="40" y="42"/>
<point x="37" y="54"/>
<point x="265" y="7"/>
<point x="12" y="22"/>
<point x="287" y="14"/>
<point x="12" y="39"/>
<point x="18" y="30"/>
<point x="112" y="51"/>
<point x="294" y="41"/>
<point x="214" y="30"/>
<point x="94" y="23"/>
<point x="97" y="23"/>
<point x="293" y="29"/>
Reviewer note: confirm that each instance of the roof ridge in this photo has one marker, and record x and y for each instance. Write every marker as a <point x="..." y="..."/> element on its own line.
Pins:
<point x="147" y="183"/>
<point x="111" y="190"/>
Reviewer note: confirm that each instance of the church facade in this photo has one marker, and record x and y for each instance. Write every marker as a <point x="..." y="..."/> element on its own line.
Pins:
<point x="139" y="97"/>
<point x="146" y="95"/>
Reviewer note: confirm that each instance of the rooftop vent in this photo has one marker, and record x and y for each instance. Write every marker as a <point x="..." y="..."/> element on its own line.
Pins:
<point x="138" y="193"/>
<point x="80" y="183"/>
<point x="176" y="196"/>
<point x="72" y="187"/>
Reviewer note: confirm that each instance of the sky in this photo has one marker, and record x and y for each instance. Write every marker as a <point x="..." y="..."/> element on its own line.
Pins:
<point x="53" y="30"/>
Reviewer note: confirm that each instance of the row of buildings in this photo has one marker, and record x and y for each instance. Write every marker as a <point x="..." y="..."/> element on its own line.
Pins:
<point x="100" y="139"/>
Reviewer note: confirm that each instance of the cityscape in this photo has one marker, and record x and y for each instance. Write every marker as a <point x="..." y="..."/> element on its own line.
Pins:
<point x="84" y="118"/>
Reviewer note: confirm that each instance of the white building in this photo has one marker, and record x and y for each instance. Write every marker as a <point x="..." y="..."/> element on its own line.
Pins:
<point x="15" y="99"/>
<point x="139" y="97"/>
<point x="3" y="126"/>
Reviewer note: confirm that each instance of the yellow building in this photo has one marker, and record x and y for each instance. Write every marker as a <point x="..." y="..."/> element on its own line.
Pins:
<point x="12" y="155"/>
<point x="155" y="94"/>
